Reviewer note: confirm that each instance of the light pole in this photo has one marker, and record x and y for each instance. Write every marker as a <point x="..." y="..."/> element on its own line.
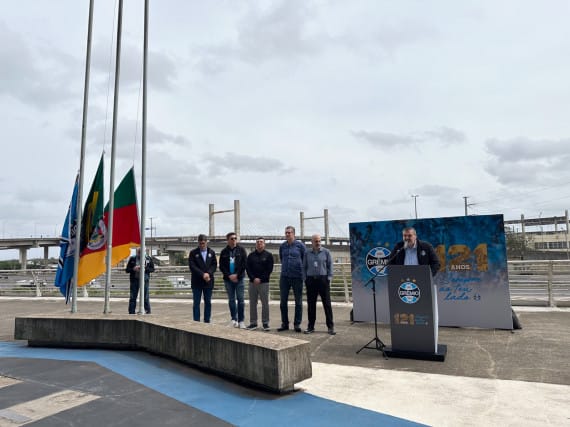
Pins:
<point x="415" y="196"/>
<point x="467" y="205"/>
<point x="152" y="228"/>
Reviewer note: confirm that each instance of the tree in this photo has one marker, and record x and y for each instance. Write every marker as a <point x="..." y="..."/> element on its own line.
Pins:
<point x="517" y="243"/>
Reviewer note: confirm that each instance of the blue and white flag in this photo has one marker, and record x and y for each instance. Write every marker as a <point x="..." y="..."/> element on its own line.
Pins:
<point x="68" y="240"/>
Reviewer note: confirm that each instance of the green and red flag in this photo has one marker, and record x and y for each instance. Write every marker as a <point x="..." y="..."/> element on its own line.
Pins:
<point x="126" y="226"/>
<point x="126" y="232"/>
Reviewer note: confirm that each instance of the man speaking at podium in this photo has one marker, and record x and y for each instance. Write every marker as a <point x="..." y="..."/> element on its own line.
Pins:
<point x="412" y="251"/>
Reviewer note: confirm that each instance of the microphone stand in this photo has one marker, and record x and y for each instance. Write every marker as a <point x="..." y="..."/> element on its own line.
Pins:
<point x="378" y="344"/>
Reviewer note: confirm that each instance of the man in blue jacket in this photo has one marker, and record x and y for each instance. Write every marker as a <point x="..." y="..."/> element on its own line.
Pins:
<point x="292" y="254"/>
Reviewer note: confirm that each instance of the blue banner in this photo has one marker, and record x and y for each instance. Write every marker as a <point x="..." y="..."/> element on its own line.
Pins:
<point x="472" y="284"/>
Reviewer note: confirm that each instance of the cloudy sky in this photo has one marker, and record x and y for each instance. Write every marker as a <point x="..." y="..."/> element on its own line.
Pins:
<point x="291" y="106"/>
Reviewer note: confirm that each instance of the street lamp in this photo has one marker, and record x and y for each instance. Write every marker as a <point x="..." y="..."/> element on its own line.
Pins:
<point x="415" y="196"/>
<point x="152" y="228"/>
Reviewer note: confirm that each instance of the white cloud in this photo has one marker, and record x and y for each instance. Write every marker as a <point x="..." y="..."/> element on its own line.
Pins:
<point x="527" y="161"/>
<point x="291" y="106"/>
<point x="443" y="135"/>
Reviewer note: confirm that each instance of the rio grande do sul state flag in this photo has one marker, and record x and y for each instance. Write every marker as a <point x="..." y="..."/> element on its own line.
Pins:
<point x="126" y="232"/>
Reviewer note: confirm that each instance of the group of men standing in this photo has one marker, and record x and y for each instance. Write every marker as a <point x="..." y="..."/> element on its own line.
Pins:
<point x="313" y="267"/>
<point x="298" y="265"/>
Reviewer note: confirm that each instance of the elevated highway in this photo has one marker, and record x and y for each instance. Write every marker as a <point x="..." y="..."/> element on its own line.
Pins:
<point x="173" y="244"/>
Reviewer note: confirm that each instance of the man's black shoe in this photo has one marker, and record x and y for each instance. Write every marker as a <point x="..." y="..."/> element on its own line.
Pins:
<point x="283" y="328"/>
<point x="252" y="326"/>
<point x="332" y="332"/>
<point x="266" y="327"/>
<point x="309" y="331"/>
<point x="297" y="329"/>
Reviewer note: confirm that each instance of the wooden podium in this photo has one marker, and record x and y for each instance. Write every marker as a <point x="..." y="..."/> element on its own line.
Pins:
<point x="413" y="314"/>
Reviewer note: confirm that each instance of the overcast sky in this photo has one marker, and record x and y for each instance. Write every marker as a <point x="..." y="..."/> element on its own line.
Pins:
<point x="291" y="106"/>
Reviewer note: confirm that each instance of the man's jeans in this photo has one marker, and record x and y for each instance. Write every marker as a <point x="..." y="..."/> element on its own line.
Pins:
<point x="285" y="284"/>
<point x="197" y="296"/>
<point x="235" y="292"/>
<point x="134" y="288"/>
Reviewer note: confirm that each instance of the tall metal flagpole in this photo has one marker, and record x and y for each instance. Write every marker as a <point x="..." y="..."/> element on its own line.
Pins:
<point x="113" y="150"/>
<point x="79" y="205"/>
<point x="143" y="167"/>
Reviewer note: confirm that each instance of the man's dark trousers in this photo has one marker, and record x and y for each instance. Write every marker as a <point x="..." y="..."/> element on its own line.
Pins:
<point x="285" y="285"/>
<point x="318" y="285"/>
<point x="134" y="294"/>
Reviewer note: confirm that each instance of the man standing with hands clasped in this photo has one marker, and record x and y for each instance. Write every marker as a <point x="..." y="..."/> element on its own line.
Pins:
<point x="318" y="272"/>
<point x="259" y="269"/>
<point x="202" y="263"/>
<point x="292" y="254"/>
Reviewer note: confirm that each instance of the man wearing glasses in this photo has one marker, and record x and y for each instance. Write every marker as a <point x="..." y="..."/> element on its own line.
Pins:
<point x="233" y="267"/>
<point x="203" y="265"/>
<point x="292" y="254"/>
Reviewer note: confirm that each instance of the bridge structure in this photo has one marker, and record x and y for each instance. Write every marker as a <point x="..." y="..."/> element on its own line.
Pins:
<point x="23" y="244"/>
<point x="546" y="235"/>
<point x="171" y="245"/>
<point x="175" y="245"/>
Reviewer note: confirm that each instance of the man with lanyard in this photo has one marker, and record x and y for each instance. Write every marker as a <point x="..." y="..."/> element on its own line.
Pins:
<point x="318" y="272"/>
<point x="233" y="267"/>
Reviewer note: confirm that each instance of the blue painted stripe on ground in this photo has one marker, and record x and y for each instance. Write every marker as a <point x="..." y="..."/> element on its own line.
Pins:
<point x="227" y="403"/>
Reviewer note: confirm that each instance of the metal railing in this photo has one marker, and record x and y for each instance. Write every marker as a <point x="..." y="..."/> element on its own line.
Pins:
<point x="545" y="283"/>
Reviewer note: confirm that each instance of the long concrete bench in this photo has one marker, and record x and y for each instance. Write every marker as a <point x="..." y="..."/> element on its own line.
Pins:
<point x="264" y="360"/>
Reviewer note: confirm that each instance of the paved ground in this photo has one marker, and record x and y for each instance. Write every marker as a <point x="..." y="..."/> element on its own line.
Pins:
<point x="489" y="376"/>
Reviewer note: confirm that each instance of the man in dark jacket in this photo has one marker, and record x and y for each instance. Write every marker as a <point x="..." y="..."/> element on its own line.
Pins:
<point x="412" y="251"/>
<point x="203" y="264"/>
<point x="233" y="267"/>
<point x="133" y="268"/>
<point x="259" y="269"/>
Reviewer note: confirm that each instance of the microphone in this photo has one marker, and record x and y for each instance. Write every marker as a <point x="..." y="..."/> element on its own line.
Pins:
<point x="400" y="249"/>
<point x="395" y="254"/>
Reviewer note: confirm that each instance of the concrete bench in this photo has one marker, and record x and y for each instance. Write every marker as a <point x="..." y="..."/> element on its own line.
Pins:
<point x="263" y="360"/>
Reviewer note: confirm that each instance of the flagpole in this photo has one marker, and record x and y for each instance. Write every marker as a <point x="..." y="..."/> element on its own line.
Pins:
<point x="113" y="155"/>
<point x="143" y="166"/>
<point x="79" y="205"/>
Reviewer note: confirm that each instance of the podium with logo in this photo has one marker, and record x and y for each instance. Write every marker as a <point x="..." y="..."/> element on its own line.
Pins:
<point x="413" y="314"/>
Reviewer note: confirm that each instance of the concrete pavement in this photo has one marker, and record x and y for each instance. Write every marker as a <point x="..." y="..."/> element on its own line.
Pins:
<point x="489" y="376"/>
